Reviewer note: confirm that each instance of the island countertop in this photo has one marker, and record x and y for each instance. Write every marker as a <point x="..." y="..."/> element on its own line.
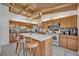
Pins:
<point x="39" y="37"/>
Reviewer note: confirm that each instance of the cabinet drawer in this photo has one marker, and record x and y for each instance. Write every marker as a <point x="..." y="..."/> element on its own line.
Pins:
<point x="72" y="37"/>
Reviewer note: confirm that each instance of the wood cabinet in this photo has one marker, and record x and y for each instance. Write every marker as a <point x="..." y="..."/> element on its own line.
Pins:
<point x="68" y="22"/>
<point x="69" y="41"/>
<point x="64" y="22"/>
<point x="45" y="24"/>
<point x="72" y="22"/>
<point x="72" y="43"/>
<point x="45" y="47"/>
<point x="55" y="21"/>
<point x="63" y="41"/>
<point x="18" y="23"/>
<point x="11" y="38"/>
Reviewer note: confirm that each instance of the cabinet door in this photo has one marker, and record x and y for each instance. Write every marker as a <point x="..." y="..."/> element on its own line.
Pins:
<point x="11" y="38"/>
<point x="63" y="42"/>
<point x="78" y="43"/>
<point x="48" y="47"/>
<point x="72" y="21"/>
<point x="64" y="22"/>
<point x="72" y="43"/>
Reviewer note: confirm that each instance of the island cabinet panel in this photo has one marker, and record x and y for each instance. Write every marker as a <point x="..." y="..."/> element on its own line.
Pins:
<point x="63" y="41"/>
<point x="73" y="43"/>
<point x="72" y="22"/>
<point x="44" y="47"/>
<point x="48" y="47"/>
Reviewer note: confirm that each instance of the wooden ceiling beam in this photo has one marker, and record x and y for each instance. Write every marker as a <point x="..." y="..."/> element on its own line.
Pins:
<point x="25" y="9"/>
<point x="13" y="6"/>
<point x="54" y="8"/>
<point x="22" y="10"/>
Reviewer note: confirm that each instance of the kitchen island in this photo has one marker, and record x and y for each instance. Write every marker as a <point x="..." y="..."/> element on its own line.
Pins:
<point x="44" y="41"/>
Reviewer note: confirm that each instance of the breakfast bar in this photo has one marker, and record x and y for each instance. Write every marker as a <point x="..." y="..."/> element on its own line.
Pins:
<point x="44" y="41"/>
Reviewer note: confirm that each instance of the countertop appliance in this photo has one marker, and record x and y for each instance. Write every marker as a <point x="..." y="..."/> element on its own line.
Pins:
<point x="73" y="31"/>
<point x="69" y="31"/>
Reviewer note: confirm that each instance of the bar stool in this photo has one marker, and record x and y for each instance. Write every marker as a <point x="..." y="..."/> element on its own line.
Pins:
<point x="20" y="43"/>
<point x="31" y="46"/>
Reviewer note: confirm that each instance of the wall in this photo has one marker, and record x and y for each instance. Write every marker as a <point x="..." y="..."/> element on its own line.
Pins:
<point x="4" y="25"/>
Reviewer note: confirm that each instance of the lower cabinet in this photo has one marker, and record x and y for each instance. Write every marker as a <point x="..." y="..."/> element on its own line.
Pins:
<point x="70" y="42"/>
<point x="78" y="43"/>
<point x="11" y="38"/>
<point x="63" y="41"/>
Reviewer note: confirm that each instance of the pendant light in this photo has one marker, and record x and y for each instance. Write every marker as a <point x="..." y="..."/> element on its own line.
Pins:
<point x="39" y="19"/>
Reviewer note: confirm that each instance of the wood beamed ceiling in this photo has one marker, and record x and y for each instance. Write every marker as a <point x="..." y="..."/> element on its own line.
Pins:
<point x="35" y="10"/>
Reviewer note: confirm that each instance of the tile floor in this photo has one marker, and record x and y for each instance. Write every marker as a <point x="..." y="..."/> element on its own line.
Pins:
<point x="9" y="50"/>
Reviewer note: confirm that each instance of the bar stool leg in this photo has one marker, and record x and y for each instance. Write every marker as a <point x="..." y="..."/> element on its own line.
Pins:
<point x="23" y="50"/>
<point x="26" y="52"/>
<point x="30" y="51"/>
<point x="16" y="47"/>
<point x="19" y="49"/>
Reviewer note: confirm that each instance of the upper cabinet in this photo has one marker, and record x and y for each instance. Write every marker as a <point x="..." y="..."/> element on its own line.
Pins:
<point x="64" y="22"/>
<point x="72" y="22"/>
<point x="14" y="24"/>
<point x="56" y="21"/>
<point x="68" y="22"/>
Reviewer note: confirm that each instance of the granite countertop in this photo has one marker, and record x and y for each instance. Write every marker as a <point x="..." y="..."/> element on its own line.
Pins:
<point x="39" y="37"/>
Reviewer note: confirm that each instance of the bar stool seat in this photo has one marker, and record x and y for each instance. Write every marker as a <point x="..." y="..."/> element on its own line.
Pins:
<point x="32" y="47"/>
<point x="32" y="44"/>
